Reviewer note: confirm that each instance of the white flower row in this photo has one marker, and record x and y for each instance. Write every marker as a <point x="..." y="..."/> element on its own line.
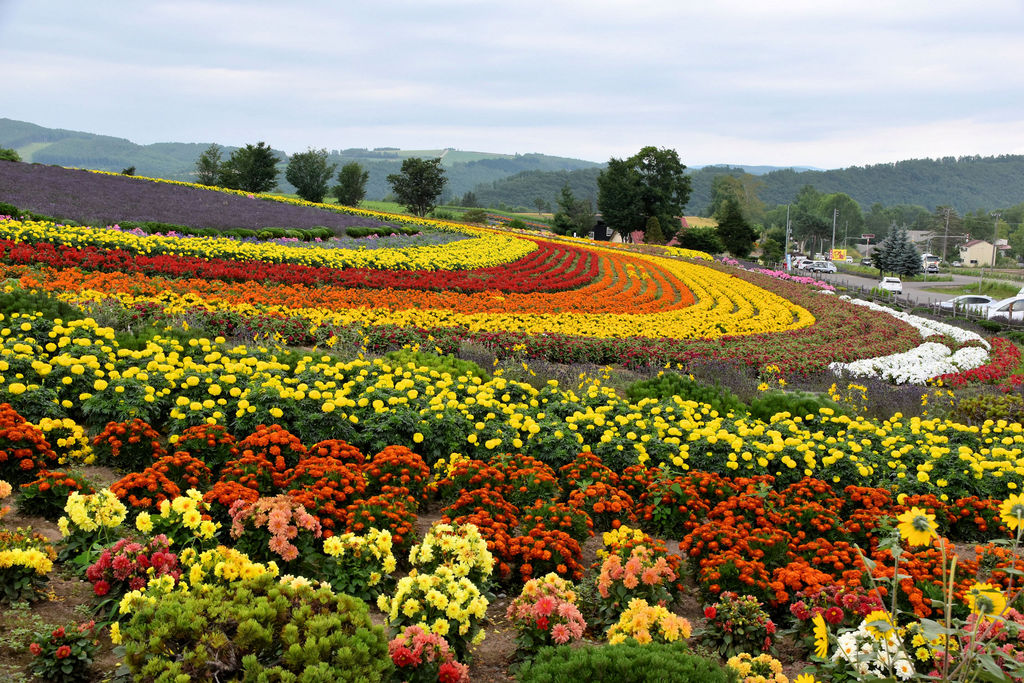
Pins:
<point x="923" y="362"/>
<point x="926" y="327"/>
<point x="917" y="365"/>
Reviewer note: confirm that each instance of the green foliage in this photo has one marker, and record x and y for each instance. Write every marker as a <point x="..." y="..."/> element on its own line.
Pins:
<point x="252" y="168"/>
<point x="573" y="215"/>
<point x="896" y="254"/>
<point x="653" y="233"/>
<point x="474" y="216"/>
<point x="208" y="165"/>
<point x="735" y="232"/>
<point x="309" y="172"/>
<point x="701" y="239"/>
<point x="256" y="630"/>
<point x="742" y="189"/>
<point x="128" y="171"/>
<point x="419" y="184"/>
<point x="793" y="402"/>
<point x="351" y="187"/>
<point x="649" y="183"/>
<point x="446" y="363"/>
<point x="469" y="200"/>
<point x="624" y="663"/>
<point x="65" y="655"/>
<point x="977" y="409"/>
<point x="670" y="384"/>
<point x="357" y="231"/>
<point x="7" y="154"/>
<point x="771" y="251"/>
<point x="25" y="302"/>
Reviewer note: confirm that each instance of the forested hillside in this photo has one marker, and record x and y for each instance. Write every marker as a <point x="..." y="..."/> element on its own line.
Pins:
<point x="966" y="183"/>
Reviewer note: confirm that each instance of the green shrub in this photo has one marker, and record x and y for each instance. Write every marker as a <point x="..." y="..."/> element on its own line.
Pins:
<point x="7" y="154"/>
<point x="450" y="364"/>
<point x="158" y="226"/>
<point x="670" y="384"/>
<point x="625" y="663"/>
<point x="264" y="235"/>
<point x="794" y="402"/>
<point x="474" y="216"/>
<point x="21" y="301"/>
<point x="256" y="630"/>
<point x="976" y="410"/>
<point x="442" y="215"/>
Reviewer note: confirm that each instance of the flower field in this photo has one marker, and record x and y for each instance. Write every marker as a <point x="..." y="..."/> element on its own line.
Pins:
<point x="293" y="435"/>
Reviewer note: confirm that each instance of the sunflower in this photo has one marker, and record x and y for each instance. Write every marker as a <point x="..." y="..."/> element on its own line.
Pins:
<point x="917" y="526"/>
<point x="802" y="678"/>
<point x="820" y="636"/>
<point x="986" y="600"/>
<point x="1012" y="511"/>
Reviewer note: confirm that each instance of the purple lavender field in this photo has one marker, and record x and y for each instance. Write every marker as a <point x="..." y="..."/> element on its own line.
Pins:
<point x="94" y="198"/>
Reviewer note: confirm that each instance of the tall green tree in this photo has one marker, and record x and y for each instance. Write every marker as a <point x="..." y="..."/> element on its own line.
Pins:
<point x="252" y="168"/>
<point x="650" y="183"/>
<point x="419" y="184"/>
<point x="906" y="260"/>
<point x="735" y="231"/>
<point x="208" y="165"/>
<point x="743" y="189"/>
<point x="309" y="172"/>
<point x="573" y="215"/>
<point x="351" y="187"/>
<point x="653" y="233"/>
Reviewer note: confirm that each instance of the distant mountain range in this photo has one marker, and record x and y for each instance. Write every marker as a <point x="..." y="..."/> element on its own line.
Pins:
<point x="966" y="183"/>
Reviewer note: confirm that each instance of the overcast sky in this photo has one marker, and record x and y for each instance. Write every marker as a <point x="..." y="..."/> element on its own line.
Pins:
<point x="778" y="82"/>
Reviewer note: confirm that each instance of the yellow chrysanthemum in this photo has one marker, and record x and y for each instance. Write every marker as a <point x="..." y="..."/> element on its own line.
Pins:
<point x="986" y="600"/>
<point x="917" y="526"/>
<point x="1012" y="511"/>
<point x="820" y="636"/>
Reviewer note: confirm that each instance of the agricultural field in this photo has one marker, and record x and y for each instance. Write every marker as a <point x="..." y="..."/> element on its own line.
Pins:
<point x="256" y="437"/>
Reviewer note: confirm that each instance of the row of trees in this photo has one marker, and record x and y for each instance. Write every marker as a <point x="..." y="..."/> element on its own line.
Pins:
<point x="254" y="168"/>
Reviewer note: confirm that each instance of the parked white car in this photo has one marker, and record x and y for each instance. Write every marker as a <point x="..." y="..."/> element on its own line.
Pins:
<point x="973" y="303"/>
<point x="1007" y="309"/>
<point x="891" y="284"/>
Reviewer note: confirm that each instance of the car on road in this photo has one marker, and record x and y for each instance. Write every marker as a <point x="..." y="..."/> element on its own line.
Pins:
<point x="931" y="268"/>
<point x="867" y="262"/>
<point x="956" y="264"/>
<point x="1011" y="308"/>
<point x="891" y="284"/>
<point x="820" y="267"/>
<point x="973" y="303"/>
<point x="849" y="259"/>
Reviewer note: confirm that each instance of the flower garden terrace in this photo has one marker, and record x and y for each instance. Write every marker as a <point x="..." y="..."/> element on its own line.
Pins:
<point x="560" y="301"/>
<point x="76" y="369"/>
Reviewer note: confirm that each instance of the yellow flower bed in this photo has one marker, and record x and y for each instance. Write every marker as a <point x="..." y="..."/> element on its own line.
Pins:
<point x="489" y="248"/>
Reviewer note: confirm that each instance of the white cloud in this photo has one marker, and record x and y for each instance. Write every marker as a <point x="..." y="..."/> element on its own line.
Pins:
<point x="788" y="82"/>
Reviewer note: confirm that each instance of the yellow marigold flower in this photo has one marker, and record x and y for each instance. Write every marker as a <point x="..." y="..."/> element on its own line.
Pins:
<point x="144" y="522"/>
<point x="917" y="527"/>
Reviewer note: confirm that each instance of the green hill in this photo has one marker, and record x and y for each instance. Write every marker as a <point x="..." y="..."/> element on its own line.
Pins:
<point x="176" y="160"/>
<point x="966" y="183"/>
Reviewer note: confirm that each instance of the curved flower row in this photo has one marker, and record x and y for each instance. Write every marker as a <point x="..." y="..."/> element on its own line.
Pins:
<point x="633" y="297"/>
<point x="550" y="267"/>
<point x="490" y="248"/>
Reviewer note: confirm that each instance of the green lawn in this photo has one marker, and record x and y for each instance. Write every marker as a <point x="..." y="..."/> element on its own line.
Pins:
<point x="994" y="288"/>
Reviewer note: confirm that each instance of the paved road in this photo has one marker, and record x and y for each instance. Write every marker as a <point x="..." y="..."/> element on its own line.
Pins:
<point x="915" y="290"/>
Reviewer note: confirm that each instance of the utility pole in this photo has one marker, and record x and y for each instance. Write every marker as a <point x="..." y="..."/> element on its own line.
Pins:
<point x="945" y="240"/>
<point x="835" y="217"/>
<point x="995" y="236"/>
<point x="785" y="253"/>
